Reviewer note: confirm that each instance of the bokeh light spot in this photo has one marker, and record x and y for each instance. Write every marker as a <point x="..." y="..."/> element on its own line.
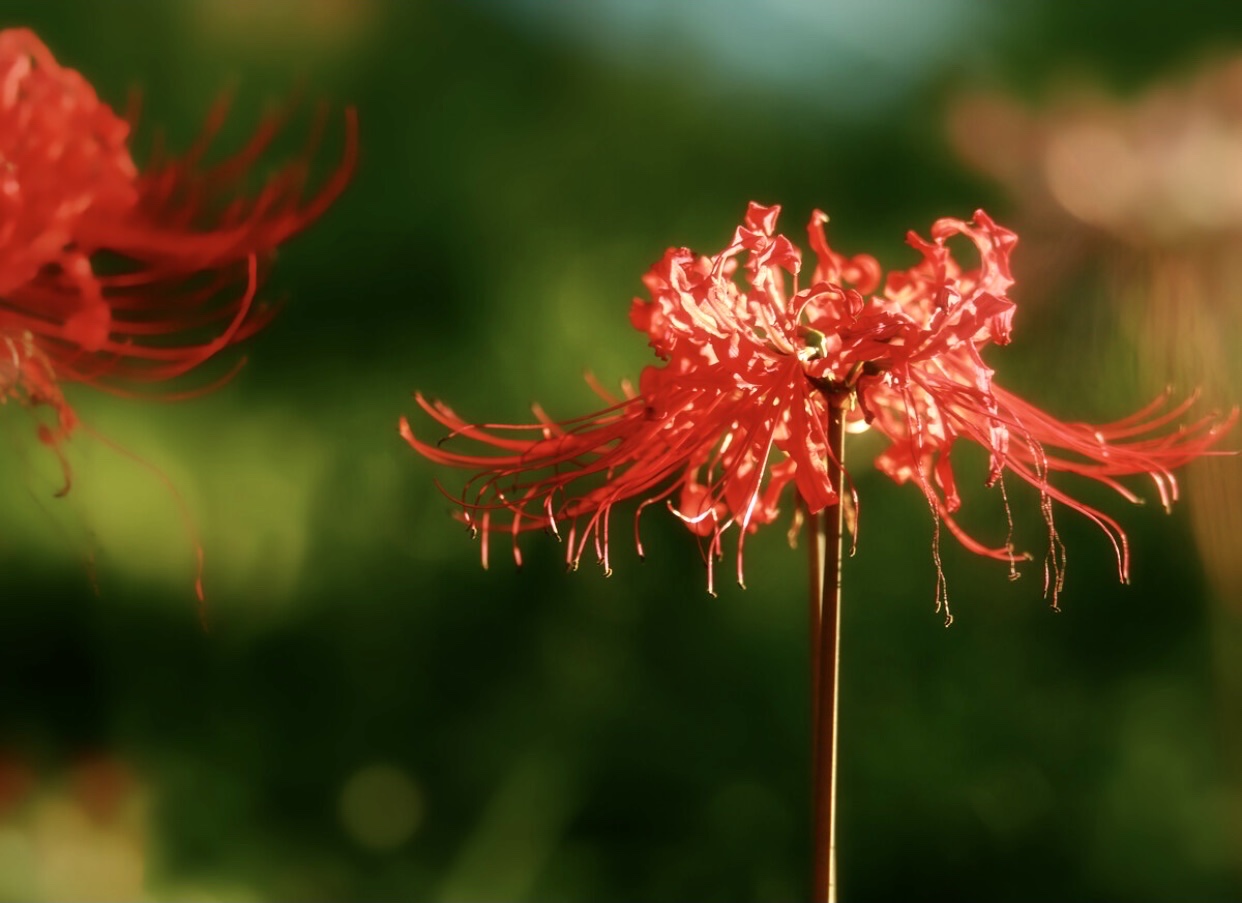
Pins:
<point x="381" y="807"/>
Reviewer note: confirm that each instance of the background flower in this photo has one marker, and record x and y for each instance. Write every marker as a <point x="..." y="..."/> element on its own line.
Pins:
<point x="108" y="272"/>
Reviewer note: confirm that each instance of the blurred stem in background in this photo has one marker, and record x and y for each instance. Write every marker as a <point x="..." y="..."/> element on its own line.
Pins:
<point x="1146" y="191"/>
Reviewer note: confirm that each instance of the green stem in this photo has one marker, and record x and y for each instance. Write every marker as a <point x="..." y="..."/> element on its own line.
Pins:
<point x="825" y="529"/>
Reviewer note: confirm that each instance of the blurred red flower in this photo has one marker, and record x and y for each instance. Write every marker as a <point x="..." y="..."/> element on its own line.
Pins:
<point x="111" y="274"/>
<point x="739" y="407"/>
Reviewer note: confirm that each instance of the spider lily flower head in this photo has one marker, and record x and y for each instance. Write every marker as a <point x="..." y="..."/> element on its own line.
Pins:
<point x="111" y="274"/>
<point x="751" y="368"/>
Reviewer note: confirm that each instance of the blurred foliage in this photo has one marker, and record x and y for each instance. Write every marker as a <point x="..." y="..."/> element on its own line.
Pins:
<point x="371" y="715"/>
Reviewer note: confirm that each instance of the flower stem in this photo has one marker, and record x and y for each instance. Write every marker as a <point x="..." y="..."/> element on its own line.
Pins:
<point x="825" y="532"/>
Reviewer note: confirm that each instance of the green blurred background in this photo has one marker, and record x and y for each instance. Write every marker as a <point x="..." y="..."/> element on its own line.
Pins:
<point x="373" y="716"/>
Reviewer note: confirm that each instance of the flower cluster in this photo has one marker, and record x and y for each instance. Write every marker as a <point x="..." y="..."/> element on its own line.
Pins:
<point x="753" y="366"/>
<point x="111" y="274"/>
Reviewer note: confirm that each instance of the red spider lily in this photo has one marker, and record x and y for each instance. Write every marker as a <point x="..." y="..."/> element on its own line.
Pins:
<point x="110" y="274"/>
<point x="739" y="406"/>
